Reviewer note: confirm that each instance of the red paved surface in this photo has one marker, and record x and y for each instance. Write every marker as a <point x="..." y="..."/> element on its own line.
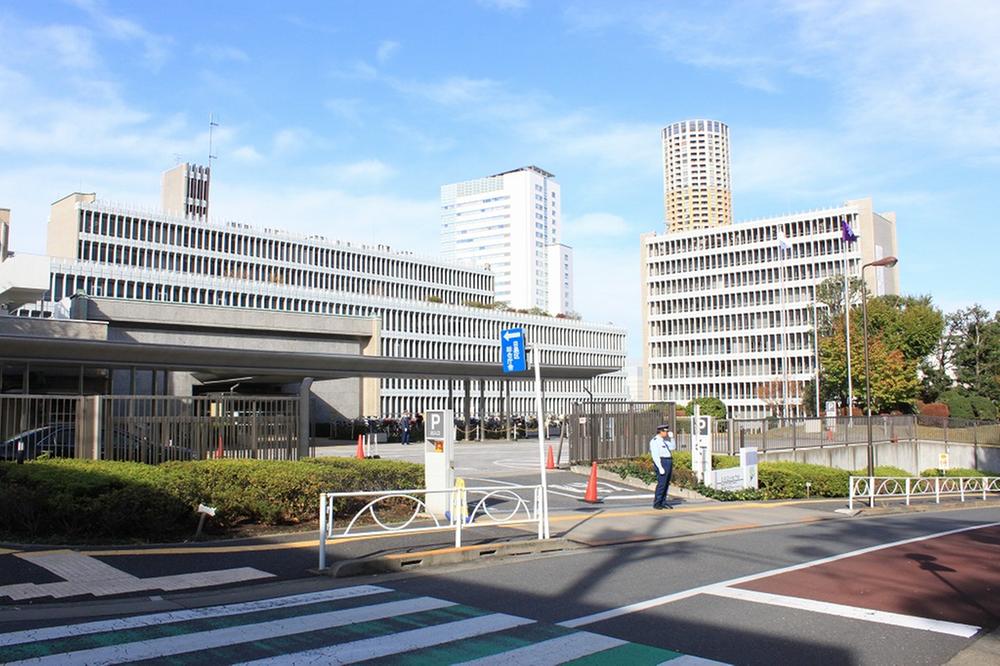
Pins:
<point x="954" y="578"/>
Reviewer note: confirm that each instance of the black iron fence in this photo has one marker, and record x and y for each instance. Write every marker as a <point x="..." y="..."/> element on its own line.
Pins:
<point x="609" y="430"/>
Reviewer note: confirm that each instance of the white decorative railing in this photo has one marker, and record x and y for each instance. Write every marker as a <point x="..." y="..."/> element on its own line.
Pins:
<point x="869" y="488"/>
<point x="410" y="513"/>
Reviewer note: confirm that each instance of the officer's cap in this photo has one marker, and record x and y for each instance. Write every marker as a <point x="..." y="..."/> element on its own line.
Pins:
<point x="663" y="427"/>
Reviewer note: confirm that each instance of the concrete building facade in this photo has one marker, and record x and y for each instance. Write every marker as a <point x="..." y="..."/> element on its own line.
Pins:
<point x="697" y="191"/>
<point x="423" y="308"/>
<point x="511" y="223"/>
<point x="726" y="310"/>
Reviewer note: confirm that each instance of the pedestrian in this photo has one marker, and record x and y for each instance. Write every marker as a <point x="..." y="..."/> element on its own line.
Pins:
<point x="659" y="448"/>
<point x="404" y="426"/>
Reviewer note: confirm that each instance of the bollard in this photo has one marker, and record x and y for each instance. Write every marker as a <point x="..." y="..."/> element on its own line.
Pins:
<point x="20" y="452"/>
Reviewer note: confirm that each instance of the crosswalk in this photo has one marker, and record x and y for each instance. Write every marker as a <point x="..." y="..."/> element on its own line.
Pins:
<point x="363" y="623"/>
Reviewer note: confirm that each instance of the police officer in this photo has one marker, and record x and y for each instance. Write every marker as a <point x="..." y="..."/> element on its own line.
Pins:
<point x="660" y="448"/>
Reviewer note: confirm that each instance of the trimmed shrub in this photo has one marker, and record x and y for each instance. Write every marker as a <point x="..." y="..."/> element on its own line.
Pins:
<point x="957" y="471"/>
<point x="983" y="408"/>
<point x="959" y="405"/>
<point x="935" y="409"/>
<point x="88" y="499"/>
<point x="787" y="480"/>
<point x="882" y="470"/>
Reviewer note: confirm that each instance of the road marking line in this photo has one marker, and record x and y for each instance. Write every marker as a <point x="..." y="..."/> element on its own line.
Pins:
<point x="553" y="651"/>
<point x="215" y="638"/>
<point x="851" y="612"/>
<point x="73" y="566"/>
<point x="685" y="594"/>
<point x="139" y="621"/>
<point x="404" y="641"/>
<point x="691" y="660"/>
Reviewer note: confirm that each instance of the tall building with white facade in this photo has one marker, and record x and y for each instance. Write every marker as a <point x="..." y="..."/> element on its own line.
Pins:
<point x="511" y="223"/>
<point x="119" y="252"/>
<point x="184" y="190"/>
<point x="697" y="191"/>
<point x="727" y="310"/>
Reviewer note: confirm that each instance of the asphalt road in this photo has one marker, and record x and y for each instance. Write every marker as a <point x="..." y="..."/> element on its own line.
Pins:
<point x="692" y="596"/>
<point x="578" y="584"/>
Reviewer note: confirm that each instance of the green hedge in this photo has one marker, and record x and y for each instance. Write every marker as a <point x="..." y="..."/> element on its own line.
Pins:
<point x="88" y="500"/>
<point x="958" y="471"/>
<point x="642" y="468"/>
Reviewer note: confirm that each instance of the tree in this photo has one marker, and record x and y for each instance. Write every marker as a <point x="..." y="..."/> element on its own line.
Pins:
<point x="772" y="394"/>
<point x="894" y="378"/>
<point x="709" y="406"/>
<point x="910" y="324"/>
<point x="831" y="292"/>
<point x="976" y="354"/>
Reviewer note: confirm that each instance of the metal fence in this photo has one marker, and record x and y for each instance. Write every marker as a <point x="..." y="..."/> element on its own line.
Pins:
<point x="870" y="488"/>
<point x="610" y="430"/>
<point x="160" y="428"/>
<point x="151" y="429"/>
<point x="605" y="431"/>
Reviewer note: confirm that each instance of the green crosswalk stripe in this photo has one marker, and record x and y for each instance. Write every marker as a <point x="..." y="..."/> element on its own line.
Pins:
<point x="476" y="647"/>
<point x="121" y="636"/>
<point x="281" y="645"/>
<point x="632" y="654"/>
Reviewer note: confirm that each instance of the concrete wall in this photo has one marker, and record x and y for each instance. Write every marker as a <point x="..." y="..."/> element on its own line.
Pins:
<point x="63" y="232"/>
<point x="914" y="457"/>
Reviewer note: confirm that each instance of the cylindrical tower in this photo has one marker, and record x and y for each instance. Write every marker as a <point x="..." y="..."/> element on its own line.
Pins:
<point x="696" y="182"/>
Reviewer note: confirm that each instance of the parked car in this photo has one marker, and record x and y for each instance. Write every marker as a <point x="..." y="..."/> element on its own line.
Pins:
<point x="59" y="441"/>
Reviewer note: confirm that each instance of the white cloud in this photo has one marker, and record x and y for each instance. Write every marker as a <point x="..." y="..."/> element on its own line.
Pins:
<point x="247" y="154"/>
<point x="363" y="172"/>
<point x="156" y="47"/>
<point x="289" y="140"/>
<point x="223" y="53"/>
<point x="452" y="91"/>
<point x="348" y="109"/>
<point x="386" y="50"/>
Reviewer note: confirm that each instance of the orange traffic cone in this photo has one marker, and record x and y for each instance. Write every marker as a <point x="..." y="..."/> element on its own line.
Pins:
<point x="550" y="463"/>
<point x="359" y="452"/>
<point x="591" y="495"/>
<point x="218" y="451"/>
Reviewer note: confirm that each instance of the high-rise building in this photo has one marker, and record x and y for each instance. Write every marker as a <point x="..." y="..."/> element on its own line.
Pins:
<point x="184" y="191"/>
<point x="508" y="223"/>
<point x="696" y="181"/>
<point x="727" y="311"/>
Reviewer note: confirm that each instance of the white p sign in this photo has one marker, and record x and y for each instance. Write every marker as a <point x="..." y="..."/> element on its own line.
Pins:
<point x="435" y="425"/>
<point x="701" y="426"/>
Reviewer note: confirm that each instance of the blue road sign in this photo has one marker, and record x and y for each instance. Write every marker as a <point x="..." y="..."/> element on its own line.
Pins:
<point x="512" y="350"/>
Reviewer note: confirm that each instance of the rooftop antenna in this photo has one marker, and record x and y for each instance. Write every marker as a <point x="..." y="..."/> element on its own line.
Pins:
<point x="211" y="127"/>
<point x="177" y="159"/>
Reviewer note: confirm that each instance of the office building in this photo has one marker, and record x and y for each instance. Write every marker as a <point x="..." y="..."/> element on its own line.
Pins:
<point x="424" y="308"/>
<point x="726" y="310"/>
<point x="184" y="191"/>
<point x="696" y="178"/>
<point x="511" y="223"/>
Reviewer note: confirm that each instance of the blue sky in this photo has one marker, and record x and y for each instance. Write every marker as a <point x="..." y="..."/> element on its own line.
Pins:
<point x="345" y="118"/>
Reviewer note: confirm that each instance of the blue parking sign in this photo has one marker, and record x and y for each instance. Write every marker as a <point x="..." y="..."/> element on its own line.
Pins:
<point x="512" y="350"/>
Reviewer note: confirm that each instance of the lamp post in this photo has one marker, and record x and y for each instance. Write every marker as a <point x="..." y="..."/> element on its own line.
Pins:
<point x="885" y="262"/>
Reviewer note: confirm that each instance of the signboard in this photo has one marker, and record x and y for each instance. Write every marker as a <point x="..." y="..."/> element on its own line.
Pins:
<point x="701" y="446"/>
<point x="943" y="461"/>
<point x="435" y="425"/>
<point x="512" y="356"/>
<point x="728" y="479"/>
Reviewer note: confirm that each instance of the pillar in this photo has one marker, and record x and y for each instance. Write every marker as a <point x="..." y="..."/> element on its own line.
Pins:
<point x="467" y="404"/>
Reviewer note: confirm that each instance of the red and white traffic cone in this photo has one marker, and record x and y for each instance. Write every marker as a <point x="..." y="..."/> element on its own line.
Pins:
<point x="550" y="463"/>
<point x="359" y="452"/>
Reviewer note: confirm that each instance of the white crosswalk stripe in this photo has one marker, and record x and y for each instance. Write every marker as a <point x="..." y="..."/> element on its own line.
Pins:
<point x="344" y="625"/>
<point x="404" y="641"/>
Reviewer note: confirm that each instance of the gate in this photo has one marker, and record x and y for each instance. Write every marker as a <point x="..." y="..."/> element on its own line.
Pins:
<point x="609" y="430"/>
<point x="152" y="429"/>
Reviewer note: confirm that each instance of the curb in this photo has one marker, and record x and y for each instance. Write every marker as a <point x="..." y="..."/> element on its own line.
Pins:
<point x="612" y="477"/>
<point x="432" y="558"/>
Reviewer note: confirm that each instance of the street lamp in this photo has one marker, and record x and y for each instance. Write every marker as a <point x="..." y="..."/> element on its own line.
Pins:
<point x="885" y="262"/>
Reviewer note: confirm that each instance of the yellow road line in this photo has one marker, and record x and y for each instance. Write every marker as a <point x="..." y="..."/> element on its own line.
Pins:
<point x="314" y="542"/>
<point x="8" y="551"/>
